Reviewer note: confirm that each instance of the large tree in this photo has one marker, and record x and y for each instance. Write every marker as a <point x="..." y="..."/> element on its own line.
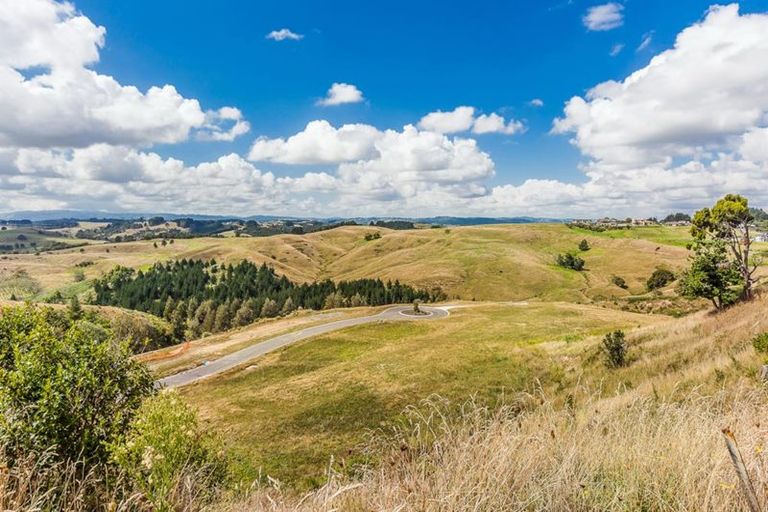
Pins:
<point x="729" y="221"/>
<point x="712" y="275"/>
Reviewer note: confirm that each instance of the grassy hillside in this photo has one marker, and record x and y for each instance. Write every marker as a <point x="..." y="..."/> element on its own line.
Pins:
<point x="29" y="240"/>
<point x="511" y="262"/>
<point x="170" y="360"/>
<point x="291" y="410"/>
<point x="643" y="437"/>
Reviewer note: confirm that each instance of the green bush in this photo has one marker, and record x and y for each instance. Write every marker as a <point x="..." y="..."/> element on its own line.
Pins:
<point x="65" y="385"/>
<point x="619" y="281"/>
<point x="615" y="349"/>
<point x="166" y="448"/>
<point x="760" y="342"/>
<point x="570" y="261"/>
<point x="712" y="276"/>
<point x="78" y="275"/>
<point x="660" y="278"/>
<point x="584" y="245"/>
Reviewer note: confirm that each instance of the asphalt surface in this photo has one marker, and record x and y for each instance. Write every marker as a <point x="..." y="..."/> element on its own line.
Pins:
<point x="397" y="313"/>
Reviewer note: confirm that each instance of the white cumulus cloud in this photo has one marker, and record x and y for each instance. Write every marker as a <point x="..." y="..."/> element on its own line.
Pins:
<point x="754" y="145"/>
<point x="690" y="100"/>
<point x="459" y="119"/>
<point x="678" y="133"/>
<point x="215" y="127"/>
<point x="341" y="93"/>
<point x="411" y="161"/>
<point x="463" y="119"/>
<point x="283" y="34"/>
<point x="494" y="123"/>
<point x="109" y="177"/>
<point x="385" y="165"/>
<point x="49" y="96"/>
<point x="686" y="128"/>
<point x="318" y="143"/>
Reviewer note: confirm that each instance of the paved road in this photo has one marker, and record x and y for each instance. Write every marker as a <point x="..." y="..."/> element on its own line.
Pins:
<point x="242" y="356"/>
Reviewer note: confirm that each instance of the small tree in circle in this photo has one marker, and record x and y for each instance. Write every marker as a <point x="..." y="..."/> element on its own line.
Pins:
<point x="417" y="307"/>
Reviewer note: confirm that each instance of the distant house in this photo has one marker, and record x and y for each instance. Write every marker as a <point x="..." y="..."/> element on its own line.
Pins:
<point x="644" y="222"/>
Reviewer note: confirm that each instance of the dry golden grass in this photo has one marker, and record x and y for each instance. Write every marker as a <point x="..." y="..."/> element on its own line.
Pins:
<point x="505" y="262"/>
<point x="703" y="350"/>
<point x="39" y="482"/>
<point x="291" y="410"/>
<point x="647" y="455"/>
<point x="645" y="437"/>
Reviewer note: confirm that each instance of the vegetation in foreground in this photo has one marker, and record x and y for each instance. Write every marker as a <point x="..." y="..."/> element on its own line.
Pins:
<point x="81" y="427"/>
<point x="641" y="454"/>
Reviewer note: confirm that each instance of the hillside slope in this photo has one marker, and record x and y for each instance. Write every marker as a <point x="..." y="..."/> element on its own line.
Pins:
<point x="509" y="262"/>
<point x="644" y="437"/>
<point x="291" y="410"/>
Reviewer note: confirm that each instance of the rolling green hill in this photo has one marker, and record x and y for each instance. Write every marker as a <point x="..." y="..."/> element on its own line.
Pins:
<point x="504" y="262"/>
<point x="290" y="411"/>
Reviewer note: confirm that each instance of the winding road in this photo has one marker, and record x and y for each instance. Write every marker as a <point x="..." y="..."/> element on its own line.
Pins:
<point x="397" y="313"/>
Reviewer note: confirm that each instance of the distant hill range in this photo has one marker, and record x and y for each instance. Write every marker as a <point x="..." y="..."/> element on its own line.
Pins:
<point x="37" y="216"/>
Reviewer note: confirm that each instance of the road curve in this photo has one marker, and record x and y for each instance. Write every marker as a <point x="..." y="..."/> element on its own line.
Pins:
<point x="235" y="359"/>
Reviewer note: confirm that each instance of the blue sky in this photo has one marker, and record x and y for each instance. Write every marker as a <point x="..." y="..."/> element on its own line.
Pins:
<point x="407" y="59"/>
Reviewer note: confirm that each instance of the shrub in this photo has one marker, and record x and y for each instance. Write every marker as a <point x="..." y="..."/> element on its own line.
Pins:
<point x="615" y="349"/>
<point x="288" y="307"/>
<point x="584" y="245"/>
<point x="270" y="309"/>
<point x="142" y="333"/>
<point x="760" y="342"/>
<point x="660" y="278"/>
<point x="711" y="276"/>
<point x="65" y="385"/>
<point x="619" y="281"/>
<point x="74" y="309"/>
<point x="165" y="448"/>
<point x="570" y="261"/>
<point x="78" y="275"/>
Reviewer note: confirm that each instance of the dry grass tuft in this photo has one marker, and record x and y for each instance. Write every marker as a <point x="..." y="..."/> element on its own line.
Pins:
<point x="643" y="455"/>
<point x="37" y="483"/>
